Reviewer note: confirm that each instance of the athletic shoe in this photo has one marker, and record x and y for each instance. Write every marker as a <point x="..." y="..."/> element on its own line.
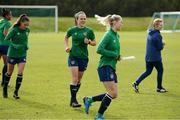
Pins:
<point x="161" y="90"/>
<point x="87" y="103"/>
<point x="135" y="87"/>
<point x="99" y="117"/>
<point x="75" y="104"/>
<point x="16" y="95"/>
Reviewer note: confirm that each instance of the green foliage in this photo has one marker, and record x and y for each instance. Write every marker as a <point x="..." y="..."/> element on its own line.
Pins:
<point x="104" y="7"/>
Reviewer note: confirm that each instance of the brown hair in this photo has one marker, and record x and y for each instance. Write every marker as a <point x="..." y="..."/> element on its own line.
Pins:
<point x="76" y="16"/>
<point x="22" y="18"/>
<point x="5" y="12"/>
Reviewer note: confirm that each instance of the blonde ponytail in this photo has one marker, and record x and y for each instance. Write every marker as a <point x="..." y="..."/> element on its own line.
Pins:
<point x="108" y="20"/>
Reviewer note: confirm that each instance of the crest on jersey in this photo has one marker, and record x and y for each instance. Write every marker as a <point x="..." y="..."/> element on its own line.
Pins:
<point x="24" y="59"/>
<point x="27" y="33"/>
<point x="85" y="34"/>
<point x="75" y="33"/>
<point x="72" y="62"/>
<point x="112" y="76"/>
<point x="11" y="60"/>
<point x="18" y="33"/>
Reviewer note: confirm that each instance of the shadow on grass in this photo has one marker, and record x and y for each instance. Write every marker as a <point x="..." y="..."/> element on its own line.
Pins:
<point x="81" y="110"/>
<point x="170" y="94"/>
<point x="33" y="104"/>
<point x="30" y="103"/>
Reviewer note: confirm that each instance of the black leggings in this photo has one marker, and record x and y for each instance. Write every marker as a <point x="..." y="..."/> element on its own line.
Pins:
<point x="149" y="67"/>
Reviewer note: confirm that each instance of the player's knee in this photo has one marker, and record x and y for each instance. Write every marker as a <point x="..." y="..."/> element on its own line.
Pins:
<point x="75" y="78"/>
<point x="161" y="70"/>
<point x="114" y="94"/>
<point x="148" y="72"/>
<point x="79" y="79"/>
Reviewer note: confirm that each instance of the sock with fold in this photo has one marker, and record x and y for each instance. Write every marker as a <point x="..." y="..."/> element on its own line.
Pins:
<point x="73" y="90"/>
<point x="6" y="82"/>
<point x="104" y="104"/>
<point x="4" y="70"/>
<point x="98" y="97"/>
<point x="18" y="83"/>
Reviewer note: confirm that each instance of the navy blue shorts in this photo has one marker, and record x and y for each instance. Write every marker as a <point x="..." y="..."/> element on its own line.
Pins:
<point x="81" y="63"/>
<point x="14" y="61"/>
<point x="4" y="49"/>
<point x="107" y="73"/>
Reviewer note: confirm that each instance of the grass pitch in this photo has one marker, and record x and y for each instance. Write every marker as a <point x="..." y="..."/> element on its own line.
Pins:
<point x="45" y="89"/>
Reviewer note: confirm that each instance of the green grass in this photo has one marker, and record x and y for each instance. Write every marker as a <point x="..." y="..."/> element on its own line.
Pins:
<point x="130" y="23"/>
<point x="45" y="89"/>
<point x="46" y="24"/>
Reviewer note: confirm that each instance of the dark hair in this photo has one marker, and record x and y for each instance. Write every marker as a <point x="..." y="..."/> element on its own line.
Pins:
<point x="22" y="18"/>
<point x="5" y="12"/>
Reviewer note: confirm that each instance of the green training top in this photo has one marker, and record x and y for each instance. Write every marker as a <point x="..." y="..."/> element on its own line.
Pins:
<point x="79" y="48"/>
<point x="18" y="42"/>
<point x="109" y="48"/>
<point x="4" y="25"/>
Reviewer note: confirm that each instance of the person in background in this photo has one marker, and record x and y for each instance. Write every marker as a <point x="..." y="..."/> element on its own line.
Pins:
<point x="17" y="52"/>
<point x="109" y="49"/>
<point x="82" y="36"/>
<point x="153" y="58"/>
<point x="4" y="45"/>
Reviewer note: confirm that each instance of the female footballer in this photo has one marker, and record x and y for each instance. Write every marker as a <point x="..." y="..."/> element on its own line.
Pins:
<point x="153" y="58"/>
<point x="82" y="36"/>
<point x="18" y="37"/>
<point x="4" y="28"/>
<point x="109" y="49"/>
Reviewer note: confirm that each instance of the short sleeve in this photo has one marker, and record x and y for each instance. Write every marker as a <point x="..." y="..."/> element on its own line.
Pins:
<point x="91" y="35"/>
<point x="69" y="32"/>
<point x="10" y="34"/>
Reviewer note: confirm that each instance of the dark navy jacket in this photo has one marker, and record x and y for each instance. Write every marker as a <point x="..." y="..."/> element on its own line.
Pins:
<point x="154" y="46"/>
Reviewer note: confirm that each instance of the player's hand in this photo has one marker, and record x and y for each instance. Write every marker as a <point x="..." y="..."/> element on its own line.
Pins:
<point x="163" y="43"/>
<point x="86" y="41"/>
<point x="68" y="49"/>
<point x="119" y="58"/>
